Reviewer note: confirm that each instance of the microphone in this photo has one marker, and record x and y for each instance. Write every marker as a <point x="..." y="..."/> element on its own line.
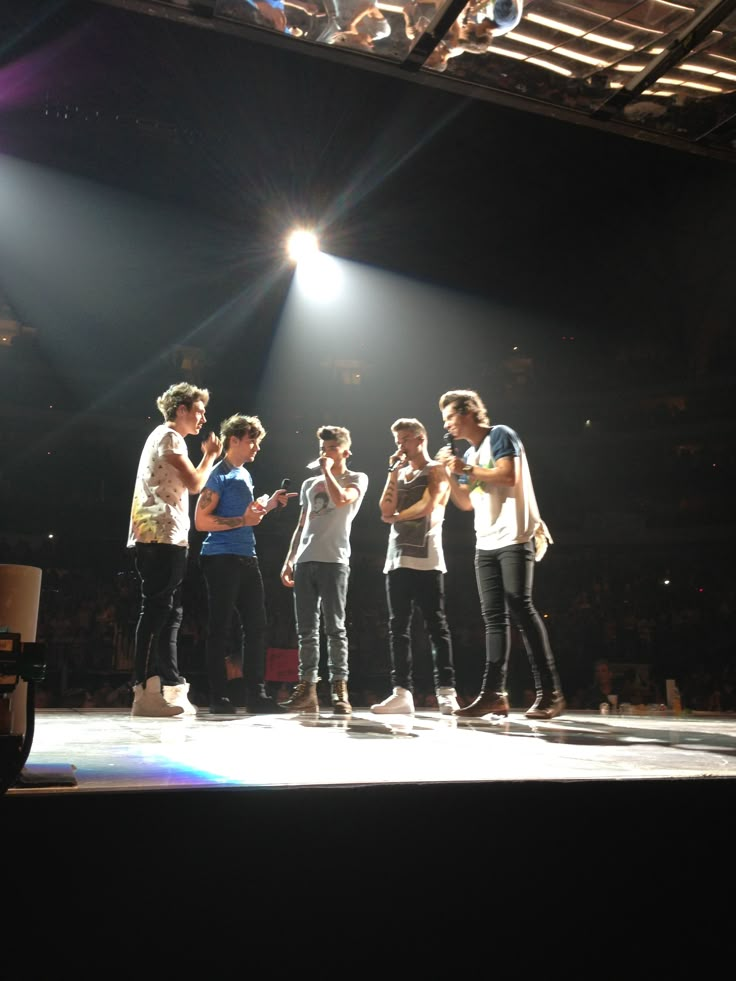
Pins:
<point x="394" y="465"/>
<point x="314" y="465"/>
<point x="285" y="484"/>
<point x="450" y="443"/>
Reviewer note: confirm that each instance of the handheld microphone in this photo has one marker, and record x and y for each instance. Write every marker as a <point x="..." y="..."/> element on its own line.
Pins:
<point x="394" y="465"/>
<point x="450" y="443"/>
<point x="314" y="464"/>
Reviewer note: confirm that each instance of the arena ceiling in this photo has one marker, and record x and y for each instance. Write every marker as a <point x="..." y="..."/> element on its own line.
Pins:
<point x="655" y="70"/>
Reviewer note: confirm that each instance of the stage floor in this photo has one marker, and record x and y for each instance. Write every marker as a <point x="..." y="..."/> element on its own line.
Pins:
<point x="371" y="829"/>
<point x="85" y="751"/>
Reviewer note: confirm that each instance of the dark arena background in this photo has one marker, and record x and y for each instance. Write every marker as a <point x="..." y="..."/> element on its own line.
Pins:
<point x="553" y="232"/>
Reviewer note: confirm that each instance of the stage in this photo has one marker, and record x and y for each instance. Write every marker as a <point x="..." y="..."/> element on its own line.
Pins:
<point x="105" y="750"/>
<point x="384" y="816"/>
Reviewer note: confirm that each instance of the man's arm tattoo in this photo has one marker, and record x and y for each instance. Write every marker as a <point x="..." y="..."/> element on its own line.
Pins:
<point x="236" y="522"/>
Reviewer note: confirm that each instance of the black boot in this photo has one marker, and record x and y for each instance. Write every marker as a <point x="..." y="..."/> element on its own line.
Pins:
<point x="257" y="702"/>
<point x="548" y="705"/>
<point x="487" y="703"/>
<point x="219" y="705"/>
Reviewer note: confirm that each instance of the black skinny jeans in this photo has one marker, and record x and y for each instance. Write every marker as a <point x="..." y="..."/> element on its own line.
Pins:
<point x="234" y="585"/>
<point x="406" y="588"/>
<point x="504" y="577"/>
<point x="161" y="569"/>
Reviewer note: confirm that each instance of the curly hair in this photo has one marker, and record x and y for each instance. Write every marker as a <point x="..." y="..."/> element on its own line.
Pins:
<point x="181" y="394"/>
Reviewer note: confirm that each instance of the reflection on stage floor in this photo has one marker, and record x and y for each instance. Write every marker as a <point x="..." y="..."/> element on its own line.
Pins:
<point x="93" y="750"/>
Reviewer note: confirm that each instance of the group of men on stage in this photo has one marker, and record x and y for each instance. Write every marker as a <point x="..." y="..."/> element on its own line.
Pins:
<point x="492" y="479"/>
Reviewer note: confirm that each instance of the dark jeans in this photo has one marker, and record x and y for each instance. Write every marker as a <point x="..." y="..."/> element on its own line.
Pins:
<point x="405" y="589"/>
<point x="234" y="586"/>
<point x="161" y="569"/>
<point x="504" y="577"/>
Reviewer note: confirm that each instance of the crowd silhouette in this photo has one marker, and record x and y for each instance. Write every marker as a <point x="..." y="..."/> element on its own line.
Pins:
<point x="597" y="605"/>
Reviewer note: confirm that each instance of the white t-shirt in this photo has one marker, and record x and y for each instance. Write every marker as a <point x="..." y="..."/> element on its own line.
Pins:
<point x="503" y="515"/>
<point x="326" y="533"/>
<point x="160" y="509"/>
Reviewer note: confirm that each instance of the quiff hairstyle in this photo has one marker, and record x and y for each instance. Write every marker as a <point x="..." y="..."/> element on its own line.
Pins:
<point x="413" y="425"/>
<point x="181" y="394"/>
<point x="240" y="426"/>
<point x="466" y="402"/>
<point x="338" y="433"/>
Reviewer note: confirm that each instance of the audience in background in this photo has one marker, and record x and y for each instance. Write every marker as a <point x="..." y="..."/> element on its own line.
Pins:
<point x="604" y="688"/>
<point x="88" y="611"/>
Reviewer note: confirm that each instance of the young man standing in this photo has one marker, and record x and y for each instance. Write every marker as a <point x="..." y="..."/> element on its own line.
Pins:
<point x="493" y="479"/>
<point x="317" y="567"/>
<point x="226" y="509"/>
<point x="413" y="503"/>
<point x="159" y="533"/>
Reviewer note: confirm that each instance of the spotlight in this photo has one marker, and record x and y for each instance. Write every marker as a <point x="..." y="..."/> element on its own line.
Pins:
<point x="319" y="277"/>
<point x="302" y="244"/>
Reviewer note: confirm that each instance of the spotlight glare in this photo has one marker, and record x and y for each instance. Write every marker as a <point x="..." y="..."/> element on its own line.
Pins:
<point x="319" y="277"/>
<point x="302" y="244"/>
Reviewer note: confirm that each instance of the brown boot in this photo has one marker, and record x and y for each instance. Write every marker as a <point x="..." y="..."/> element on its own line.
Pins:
<point x="340" y="701"/>
<point x="547" y="706"/>
<point x="303" y="698"/>
<point x="487" y="703"/>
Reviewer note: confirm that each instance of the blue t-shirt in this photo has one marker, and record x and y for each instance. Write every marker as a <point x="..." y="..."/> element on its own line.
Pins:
<point x="234" y="486"/>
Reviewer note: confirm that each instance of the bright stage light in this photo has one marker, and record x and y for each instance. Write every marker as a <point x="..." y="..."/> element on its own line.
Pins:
<point x="301" y="245"/>
<point x="319" y="277"/>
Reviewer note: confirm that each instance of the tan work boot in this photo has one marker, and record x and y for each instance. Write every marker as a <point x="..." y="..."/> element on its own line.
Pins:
<point x="303" y="698"/>
<point x="340" y="701"/>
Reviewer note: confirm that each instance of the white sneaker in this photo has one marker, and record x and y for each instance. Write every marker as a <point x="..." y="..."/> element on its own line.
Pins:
<point x="150" y="702"/>
<point x="447" y="700"/>
<point x="400" y="703"/>
<point x="179" y="695"/>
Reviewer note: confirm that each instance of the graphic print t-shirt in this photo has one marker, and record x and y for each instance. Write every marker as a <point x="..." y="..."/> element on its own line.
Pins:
<point x="326" y="533"/>
<point x="160" y="510"/>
